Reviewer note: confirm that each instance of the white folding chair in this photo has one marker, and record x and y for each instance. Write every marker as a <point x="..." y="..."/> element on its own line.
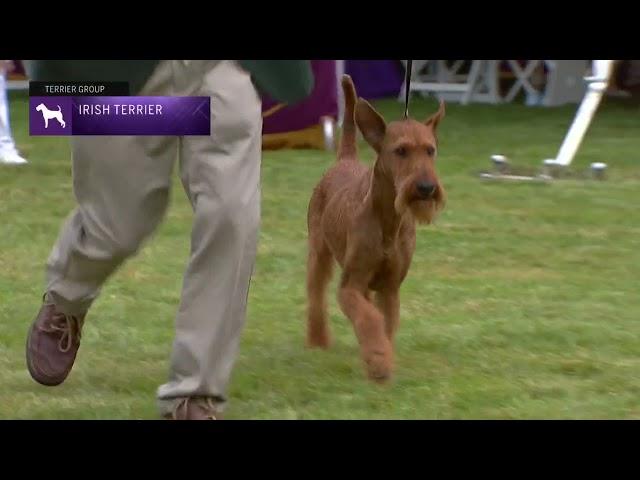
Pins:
<point x="447" y="83"/>
<point x="523" y="78"/>
<point x="565" y="82"/>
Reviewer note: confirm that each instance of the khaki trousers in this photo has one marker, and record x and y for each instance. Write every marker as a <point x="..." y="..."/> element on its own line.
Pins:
<point x="122" y="189"/>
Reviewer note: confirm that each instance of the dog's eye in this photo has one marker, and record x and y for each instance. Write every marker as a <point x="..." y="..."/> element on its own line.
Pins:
<point x="401" y="151"/>
<point x="430" y="151"/>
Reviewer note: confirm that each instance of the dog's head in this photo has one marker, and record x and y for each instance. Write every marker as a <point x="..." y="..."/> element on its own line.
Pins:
<point x="407" y="151"/>
<point x="40" y="107"/>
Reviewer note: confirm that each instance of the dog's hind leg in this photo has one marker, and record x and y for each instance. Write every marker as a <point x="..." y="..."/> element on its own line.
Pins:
<point x="319" y="271"/>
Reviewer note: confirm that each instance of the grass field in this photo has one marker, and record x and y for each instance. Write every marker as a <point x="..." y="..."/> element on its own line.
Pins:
<point x="522" y="301"/>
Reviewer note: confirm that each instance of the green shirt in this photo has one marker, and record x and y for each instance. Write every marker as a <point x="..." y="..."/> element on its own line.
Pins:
<point x="287" y="81"/>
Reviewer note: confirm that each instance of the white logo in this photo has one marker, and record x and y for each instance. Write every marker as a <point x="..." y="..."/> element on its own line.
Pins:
<point x="47" y="114"/>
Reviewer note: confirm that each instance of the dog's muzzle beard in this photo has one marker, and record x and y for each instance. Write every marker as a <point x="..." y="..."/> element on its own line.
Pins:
<point x="424" y="210"/>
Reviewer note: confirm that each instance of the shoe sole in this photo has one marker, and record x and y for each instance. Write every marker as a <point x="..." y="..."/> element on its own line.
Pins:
<point x="22" y="161"/>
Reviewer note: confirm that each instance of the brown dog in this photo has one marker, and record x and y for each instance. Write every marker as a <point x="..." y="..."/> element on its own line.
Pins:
<point x="365" y="218"/>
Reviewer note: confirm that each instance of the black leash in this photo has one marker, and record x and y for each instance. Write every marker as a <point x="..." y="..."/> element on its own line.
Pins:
<point x="407" y="86"/>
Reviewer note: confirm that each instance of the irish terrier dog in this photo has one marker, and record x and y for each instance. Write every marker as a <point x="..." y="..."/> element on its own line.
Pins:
<point x="365" y="219"/>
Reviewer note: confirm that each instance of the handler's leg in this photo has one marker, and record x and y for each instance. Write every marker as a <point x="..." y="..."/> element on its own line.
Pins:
<point x="122" y="188"/>
<point x="221" y="175"/>
<point x="8" y="151"/>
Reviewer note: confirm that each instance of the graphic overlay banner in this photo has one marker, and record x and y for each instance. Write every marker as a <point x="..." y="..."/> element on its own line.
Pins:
<point x="73" y="89"/>
<point x="119" y="115"/>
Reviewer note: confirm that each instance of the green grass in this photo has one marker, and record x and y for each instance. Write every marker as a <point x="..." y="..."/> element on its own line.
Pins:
<point x="522" y="301"/>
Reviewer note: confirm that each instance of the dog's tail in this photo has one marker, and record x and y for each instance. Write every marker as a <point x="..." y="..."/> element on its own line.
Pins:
<point x="59" y="109"/>
<point x="348" y="145"/>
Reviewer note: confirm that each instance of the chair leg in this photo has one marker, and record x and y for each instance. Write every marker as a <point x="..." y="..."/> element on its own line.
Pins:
<point x="472" y="81"/>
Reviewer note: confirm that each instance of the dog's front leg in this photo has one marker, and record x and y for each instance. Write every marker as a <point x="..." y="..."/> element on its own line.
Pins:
<point x="388" y="301"/>
<point x="369" y="326"/>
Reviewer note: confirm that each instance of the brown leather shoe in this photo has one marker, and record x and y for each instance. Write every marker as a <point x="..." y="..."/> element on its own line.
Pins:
<point x="194" y="408"/>
<point x="52" y="344"/>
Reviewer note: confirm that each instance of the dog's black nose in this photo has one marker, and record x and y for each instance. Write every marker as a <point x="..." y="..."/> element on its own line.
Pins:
<point x="426" y="189"/>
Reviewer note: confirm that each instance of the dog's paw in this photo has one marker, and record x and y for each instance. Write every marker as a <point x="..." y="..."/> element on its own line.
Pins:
<point x="319" y="339"/>
<point x="379" y="365"/>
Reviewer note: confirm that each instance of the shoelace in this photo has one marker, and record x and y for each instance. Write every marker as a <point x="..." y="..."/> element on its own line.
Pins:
<point x="205" y="402"/>
<point x="71" y="330"/>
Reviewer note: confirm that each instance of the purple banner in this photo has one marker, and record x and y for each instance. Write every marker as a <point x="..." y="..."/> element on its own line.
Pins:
<point x="322" y="102"/>
<point x="170" y="116"/>
<point x="376" y="78"/>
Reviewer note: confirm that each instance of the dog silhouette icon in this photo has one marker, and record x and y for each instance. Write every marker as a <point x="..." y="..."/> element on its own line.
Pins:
<point x="49" y="114"/>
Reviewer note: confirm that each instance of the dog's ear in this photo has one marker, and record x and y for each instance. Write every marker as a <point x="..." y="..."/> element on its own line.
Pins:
<point x="434" y="120"/>
<point x="370" y="123"/>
